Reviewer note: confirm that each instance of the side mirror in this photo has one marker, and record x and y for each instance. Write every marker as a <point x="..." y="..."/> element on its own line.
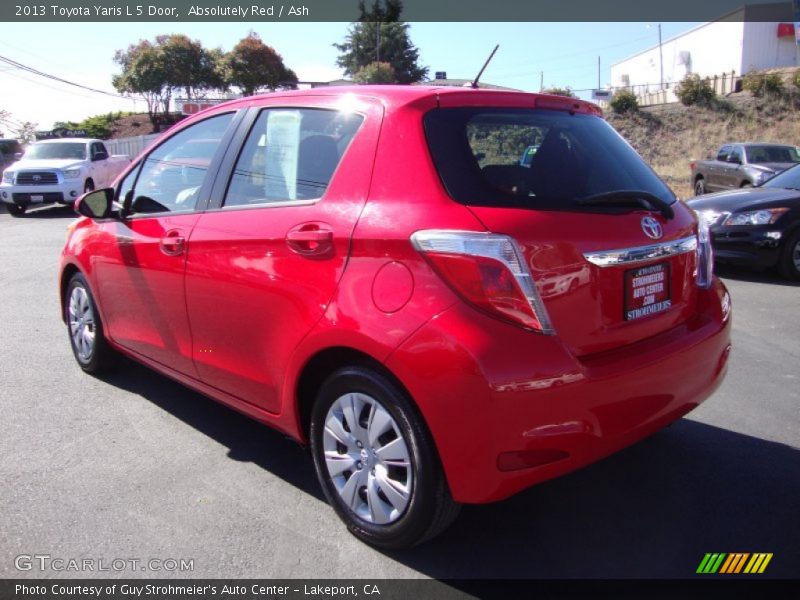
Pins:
<point x="95" y="205"/>
<point x="734" y="159"/>
<point x="99" y="156"/>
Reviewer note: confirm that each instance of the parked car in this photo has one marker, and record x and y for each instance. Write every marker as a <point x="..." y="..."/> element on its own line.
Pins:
<point x="759" y="226"/>
<point x="741" y="165"/>
<point x="10" y="152"/>
<point x="58" y="171"/>
<point x="382" y="302"/>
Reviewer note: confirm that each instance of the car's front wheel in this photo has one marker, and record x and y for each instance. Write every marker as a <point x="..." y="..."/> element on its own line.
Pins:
<point x="15" y="210"/>
<point x="376" y="462"/>
<point x="85" y="328"/>
<point x="790" y="257"/>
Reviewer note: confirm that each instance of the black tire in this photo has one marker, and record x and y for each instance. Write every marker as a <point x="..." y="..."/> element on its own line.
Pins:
<point x="430" y="508"/>
<point x="88" y="186"/>
<point x="15" y="210"/>
<point x="791" y="250"/>
<point x="101" y="357"/>
<point x="746" y="184"/>
<point x="700" y="187"/>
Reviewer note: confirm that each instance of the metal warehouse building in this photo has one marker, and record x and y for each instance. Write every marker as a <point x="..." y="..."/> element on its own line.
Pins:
<point x="726" y="48"/>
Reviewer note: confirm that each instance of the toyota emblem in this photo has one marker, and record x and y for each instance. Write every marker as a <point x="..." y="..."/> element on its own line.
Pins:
<point x="37" y="177"/>
<point x="652" y="228"/>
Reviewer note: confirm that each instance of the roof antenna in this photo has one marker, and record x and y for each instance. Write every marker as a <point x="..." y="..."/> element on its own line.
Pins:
<point x="474" y="84"/>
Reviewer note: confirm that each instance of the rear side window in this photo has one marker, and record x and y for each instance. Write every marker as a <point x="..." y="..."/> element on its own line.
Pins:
<point x="723" y="153"/>
<point x="539" y="159"/>
<point x="290" y="155"/>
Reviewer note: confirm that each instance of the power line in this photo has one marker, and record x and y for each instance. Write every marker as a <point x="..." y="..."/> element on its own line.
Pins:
<point x="23" y="67"/>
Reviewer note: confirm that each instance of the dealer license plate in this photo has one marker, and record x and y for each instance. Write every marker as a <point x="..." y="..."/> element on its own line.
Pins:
<point x="37" y="198"/>
<point x="647" y="291"/>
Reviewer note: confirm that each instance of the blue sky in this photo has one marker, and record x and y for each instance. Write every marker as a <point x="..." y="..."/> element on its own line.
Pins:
<point x="83" y="52"/>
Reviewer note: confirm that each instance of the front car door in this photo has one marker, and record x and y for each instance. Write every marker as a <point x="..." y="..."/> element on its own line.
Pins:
<point x="141" y="278"/>
<point x="717" y="170"/>
<point x="264" y="262"/>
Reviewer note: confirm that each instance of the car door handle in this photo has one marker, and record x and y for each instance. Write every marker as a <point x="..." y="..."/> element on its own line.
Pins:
<point x="310" y="239"/>
<point x="173" y="243"/>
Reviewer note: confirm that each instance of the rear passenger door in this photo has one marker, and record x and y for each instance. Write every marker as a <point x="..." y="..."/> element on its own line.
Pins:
<point x="265" y="259"/>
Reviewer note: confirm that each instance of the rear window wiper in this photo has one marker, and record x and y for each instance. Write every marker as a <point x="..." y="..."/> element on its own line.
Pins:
<point x="641" y="197"/>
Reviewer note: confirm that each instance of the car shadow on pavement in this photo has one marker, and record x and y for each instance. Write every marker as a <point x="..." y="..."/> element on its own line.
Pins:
<point x="246" y="439"/>
<point x="47" y="212"/>
<point x="752" y="275"/>
<point x="650" y="511"/>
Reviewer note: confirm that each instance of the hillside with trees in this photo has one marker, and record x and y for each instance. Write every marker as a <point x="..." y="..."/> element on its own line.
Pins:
<point x="669" y="136"/>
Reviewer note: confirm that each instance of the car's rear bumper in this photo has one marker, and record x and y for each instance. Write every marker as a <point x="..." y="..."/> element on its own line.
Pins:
<point x="514" y="408"/>
<point x="756" y="246"/>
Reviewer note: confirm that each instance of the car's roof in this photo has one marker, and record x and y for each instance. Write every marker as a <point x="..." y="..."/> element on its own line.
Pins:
<point x="406" y="94"/>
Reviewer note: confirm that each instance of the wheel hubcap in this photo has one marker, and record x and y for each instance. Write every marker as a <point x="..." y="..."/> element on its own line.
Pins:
<point x="81" y="323"/>
<point x="367" y="458"/>
<point x="796" y="256"/>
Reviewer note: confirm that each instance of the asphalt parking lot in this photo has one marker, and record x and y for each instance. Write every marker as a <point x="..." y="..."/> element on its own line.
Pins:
<point x="134" y="465"/>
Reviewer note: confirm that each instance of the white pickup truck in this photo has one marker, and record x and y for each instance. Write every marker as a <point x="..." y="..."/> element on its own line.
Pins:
<point x="58" y="171"/>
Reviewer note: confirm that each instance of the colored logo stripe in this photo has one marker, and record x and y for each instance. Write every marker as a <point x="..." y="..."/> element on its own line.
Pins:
<point x="734" y="562"/>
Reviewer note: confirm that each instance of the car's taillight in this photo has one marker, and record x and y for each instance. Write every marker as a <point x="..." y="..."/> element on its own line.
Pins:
<point x="705" y="254"/>
<point x="487" y="270"/>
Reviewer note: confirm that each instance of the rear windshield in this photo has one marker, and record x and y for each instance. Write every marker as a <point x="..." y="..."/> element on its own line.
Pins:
<point x="539" y="159"/>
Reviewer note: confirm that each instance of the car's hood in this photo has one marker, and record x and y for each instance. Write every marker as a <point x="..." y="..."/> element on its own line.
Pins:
<point x="46" y="163"/>
<point x="774" y="167"/>
<point x="759" y="197"/>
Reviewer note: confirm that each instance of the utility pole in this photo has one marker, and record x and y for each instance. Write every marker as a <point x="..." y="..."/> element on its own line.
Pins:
<point x="598" y="72"/>
<point x="541" y="80"/>
<point x="378" y="44"/>
<point x="661" y="57"/>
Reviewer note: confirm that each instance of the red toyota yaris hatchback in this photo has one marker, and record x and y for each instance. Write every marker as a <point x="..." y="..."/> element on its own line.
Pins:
<point x="376" y="272"/>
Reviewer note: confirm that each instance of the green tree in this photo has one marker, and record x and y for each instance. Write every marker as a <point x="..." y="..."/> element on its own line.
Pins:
<point x="375" y="72"/>
<point x="694" y="90"/>
<point x="361" y="46"/>
<point x="761" y="83"/>
<point x="189" y="66"/>
<point x="253" y="65"/>
<point x="145" y="74"/>
<point x="559" y="91"/>
<point x="624" y="101"/>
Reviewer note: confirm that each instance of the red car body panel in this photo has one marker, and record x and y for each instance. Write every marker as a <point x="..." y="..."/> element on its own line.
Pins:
<point x="240" y="313"/>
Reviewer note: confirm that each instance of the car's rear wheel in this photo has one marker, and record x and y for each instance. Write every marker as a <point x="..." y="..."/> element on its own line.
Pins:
<point x="15" y="210"/>
<point x="376" y="461"/>
<point x="700" y="187"/>
<point x="85" y="328"/>
<point x="790" y="257"/>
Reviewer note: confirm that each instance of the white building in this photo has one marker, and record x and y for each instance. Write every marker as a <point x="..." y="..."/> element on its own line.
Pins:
<point x="731" y="45"/>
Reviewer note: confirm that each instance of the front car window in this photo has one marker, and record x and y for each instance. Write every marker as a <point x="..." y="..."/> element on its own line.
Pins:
<point x="290" y="155"/>
<point x="171" y="176"/>
<point x="66" y="150"/>
<point x="478" y="151"/>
